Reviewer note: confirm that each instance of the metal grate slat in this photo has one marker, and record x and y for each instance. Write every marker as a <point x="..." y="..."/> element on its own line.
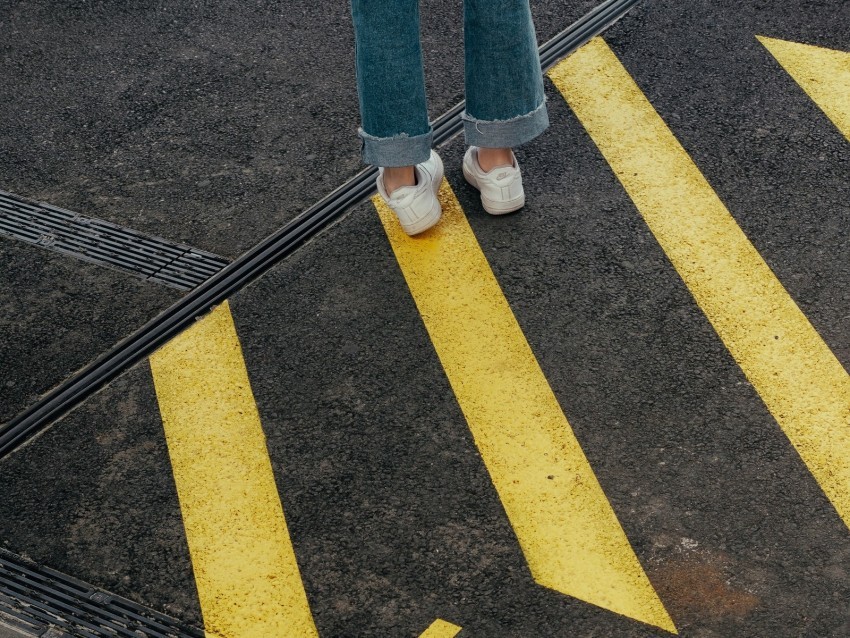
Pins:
<point x="89" y="239"/>
<point x="39" y="597"/>
<point x="102" y="242"/>
<point x="47" y="211"/>
<point x="61" y="603"/>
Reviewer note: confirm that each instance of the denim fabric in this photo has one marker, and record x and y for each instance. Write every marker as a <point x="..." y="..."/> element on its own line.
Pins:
<point x="505" y="102"/>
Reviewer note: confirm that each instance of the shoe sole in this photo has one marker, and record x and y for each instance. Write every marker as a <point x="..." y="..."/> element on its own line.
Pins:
<point x="436" y="213"/>
<point x="491" y="206"/>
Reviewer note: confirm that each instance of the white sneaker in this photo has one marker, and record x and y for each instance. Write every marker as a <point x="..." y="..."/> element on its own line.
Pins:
<point x="500" y="187"/>
<point x="417" y="206"/>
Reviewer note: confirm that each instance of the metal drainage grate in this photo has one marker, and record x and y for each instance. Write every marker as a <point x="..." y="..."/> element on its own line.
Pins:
<point x="105" y="243"/>
<point x="38" y="601"/>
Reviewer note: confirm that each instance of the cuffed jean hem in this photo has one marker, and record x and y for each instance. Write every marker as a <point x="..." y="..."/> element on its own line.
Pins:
<point x="505" y="133"/>
<point x="398" y="150"/>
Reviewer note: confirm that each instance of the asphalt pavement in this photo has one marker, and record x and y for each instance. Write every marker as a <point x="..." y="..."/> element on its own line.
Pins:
<point x="621" y="411"/>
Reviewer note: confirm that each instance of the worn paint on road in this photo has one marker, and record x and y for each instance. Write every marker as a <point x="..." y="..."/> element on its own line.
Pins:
<point x="824" y="74"/>
<point x="441" y="629"/>
<point x="796" y="374"/>
<point x="565" y="525"/>
<point x="247" y="576"/>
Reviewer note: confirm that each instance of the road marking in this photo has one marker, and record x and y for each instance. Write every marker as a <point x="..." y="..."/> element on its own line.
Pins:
<point x="441" y="629"/>
<point x="824" y="74"/>
<point x="793" y="370"/>
<point x="245" y="569"/>
<point x="565" y="525"/>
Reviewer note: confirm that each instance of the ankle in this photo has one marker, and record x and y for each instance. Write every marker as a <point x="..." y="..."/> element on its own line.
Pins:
<point x="398" y="176"/>
<point x="490" y="158"/>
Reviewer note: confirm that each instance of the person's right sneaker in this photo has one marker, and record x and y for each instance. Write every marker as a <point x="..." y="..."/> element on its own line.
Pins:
<point x="500" y="187"/>
<point x="417" y="207"/>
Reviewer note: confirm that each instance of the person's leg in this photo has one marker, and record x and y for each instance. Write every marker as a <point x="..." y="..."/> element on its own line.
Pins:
<point x="395" y="131"/>
<point x="505" y="101"/>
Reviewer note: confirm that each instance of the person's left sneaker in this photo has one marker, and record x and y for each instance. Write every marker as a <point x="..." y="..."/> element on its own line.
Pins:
<point x="500" y="187"/>
<point x="417" y="206"/>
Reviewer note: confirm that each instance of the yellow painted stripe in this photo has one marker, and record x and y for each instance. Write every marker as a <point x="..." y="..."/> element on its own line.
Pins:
<point x="247" y="577"/>
<point x="822" y="73"/>
<point x="789" y="365"/>
<point x="441" y="629"/>
<point x="566" y="528"/>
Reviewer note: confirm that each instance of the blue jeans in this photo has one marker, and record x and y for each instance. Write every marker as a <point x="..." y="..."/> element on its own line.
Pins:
<point x="505" y="102"/>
